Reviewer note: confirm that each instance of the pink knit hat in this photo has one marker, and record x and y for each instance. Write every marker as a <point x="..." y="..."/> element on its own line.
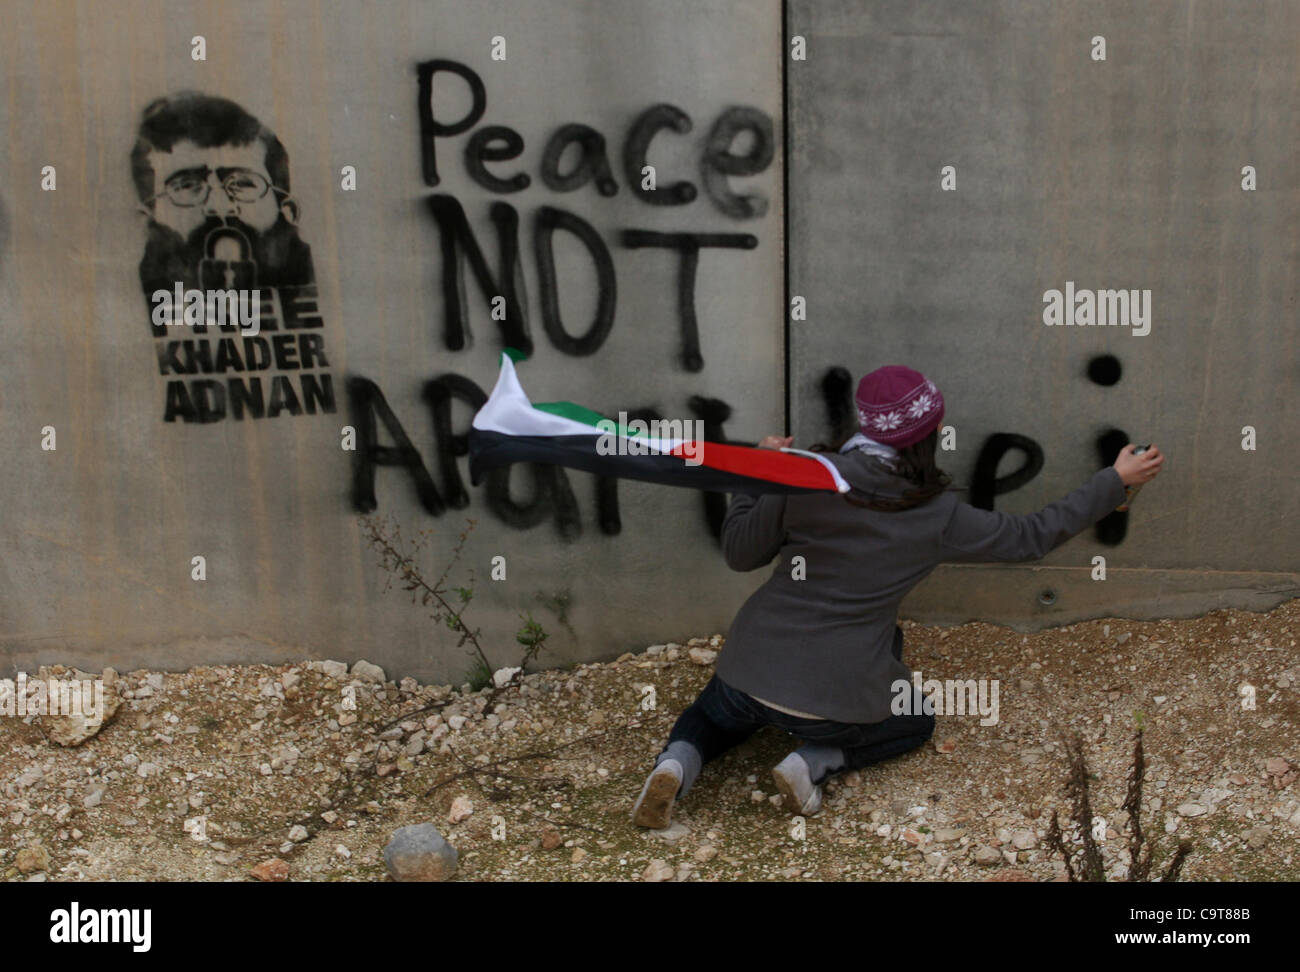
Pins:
<point x="898" y="406"/>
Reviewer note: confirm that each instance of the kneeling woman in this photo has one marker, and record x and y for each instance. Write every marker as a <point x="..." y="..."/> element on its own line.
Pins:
<point x="817" y="651"/>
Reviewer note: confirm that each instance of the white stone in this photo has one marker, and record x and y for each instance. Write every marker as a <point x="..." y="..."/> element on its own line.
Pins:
<point x="703" y="656"/>
<point x="1024" y="839"/>
<point x="657" y="871"/>
<point x="460" y="809"/>
<point x="368" y="672"/>
<point x="502" y="676"/>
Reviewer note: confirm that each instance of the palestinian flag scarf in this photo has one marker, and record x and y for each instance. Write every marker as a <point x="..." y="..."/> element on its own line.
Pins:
<point x="509" y="428"/>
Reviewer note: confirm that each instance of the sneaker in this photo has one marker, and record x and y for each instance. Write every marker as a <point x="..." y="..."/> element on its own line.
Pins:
<point x="654" y="807"/>
<point x="801" y="796"/>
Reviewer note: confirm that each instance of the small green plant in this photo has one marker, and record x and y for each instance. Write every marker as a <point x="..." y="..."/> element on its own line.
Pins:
<point x="447" y="603"/>
<point x="532" y="636"/>
<point x="479" y="676"/>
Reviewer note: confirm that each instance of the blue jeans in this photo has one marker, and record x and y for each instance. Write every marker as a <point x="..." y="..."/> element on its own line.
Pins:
<point x="723" y="717"/>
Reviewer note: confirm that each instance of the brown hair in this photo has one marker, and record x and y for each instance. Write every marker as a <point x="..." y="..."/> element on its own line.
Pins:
<point x="209" y="122"/>
<point x="915" y="463"/>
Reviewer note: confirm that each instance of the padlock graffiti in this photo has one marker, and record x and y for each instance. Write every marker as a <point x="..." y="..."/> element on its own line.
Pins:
<point x="227" y="263"/>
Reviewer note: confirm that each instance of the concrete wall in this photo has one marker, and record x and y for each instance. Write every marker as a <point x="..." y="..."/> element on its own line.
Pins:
<point x="99" y="534"/>
<point x="1122" y="173"/>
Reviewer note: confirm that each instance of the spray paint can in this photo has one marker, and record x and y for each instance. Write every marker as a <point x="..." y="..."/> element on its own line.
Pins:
<point x="1131" y="491"/>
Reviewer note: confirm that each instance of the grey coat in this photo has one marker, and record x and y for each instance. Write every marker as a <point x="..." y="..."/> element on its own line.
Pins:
<point x="822" y="644"/>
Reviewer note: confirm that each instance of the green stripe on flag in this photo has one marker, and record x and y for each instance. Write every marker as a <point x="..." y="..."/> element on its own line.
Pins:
<point x="578" y="413"/>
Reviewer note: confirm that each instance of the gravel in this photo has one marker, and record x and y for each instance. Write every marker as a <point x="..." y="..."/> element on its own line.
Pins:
<point x="201" y="775"/>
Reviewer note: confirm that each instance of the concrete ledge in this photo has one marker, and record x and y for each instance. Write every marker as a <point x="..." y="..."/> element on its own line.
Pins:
<point x="1008" y="594"/>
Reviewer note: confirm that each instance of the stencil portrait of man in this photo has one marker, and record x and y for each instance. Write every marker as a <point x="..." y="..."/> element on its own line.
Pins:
<point x="213" y="182"/>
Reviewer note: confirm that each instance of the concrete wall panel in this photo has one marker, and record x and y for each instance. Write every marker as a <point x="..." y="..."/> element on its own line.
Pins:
<point x="1122" y="173"/>
<point x="99" y="534"/>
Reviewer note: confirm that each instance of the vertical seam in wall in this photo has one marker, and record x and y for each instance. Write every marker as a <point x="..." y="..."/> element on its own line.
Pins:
<point x="785" y="202"/>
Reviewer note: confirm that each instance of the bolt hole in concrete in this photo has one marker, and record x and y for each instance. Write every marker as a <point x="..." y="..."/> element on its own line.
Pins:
<point x="1048" y="596"/>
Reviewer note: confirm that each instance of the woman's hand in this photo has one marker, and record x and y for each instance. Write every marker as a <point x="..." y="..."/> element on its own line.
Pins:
<point x="775" y="442"/>
<point x="1135" y="470"/>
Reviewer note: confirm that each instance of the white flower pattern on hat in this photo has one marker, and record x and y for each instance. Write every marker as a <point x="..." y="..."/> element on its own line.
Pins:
<point x="920" y="406"/>
<point x="888" y="420"/>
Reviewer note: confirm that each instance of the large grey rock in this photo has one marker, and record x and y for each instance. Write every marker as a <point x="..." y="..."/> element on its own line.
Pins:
<point x="419" y="853"/>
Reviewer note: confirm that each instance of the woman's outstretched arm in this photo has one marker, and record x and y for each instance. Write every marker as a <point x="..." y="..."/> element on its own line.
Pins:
<point x="975" y="534"/>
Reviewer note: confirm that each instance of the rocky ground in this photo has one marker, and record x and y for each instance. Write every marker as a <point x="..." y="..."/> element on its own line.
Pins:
<point x="280" y="777"/>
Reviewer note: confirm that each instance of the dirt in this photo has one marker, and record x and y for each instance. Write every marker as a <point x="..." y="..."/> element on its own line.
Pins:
<point x="548" y="778"/>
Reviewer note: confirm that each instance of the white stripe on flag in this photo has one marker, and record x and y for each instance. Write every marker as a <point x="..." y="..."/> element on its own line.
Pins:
<point x="509" y="411"/>
<point x="841" y="484"/>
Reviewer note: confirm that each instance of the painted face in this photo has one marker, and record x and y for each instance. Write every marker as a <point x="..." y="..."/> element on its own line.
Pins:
<point x="194" y="184"/>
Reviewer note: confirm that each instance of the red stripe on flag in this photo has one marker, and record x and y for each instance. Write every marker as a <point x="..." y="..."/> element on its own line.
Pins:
<point x="766" y="464"/>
